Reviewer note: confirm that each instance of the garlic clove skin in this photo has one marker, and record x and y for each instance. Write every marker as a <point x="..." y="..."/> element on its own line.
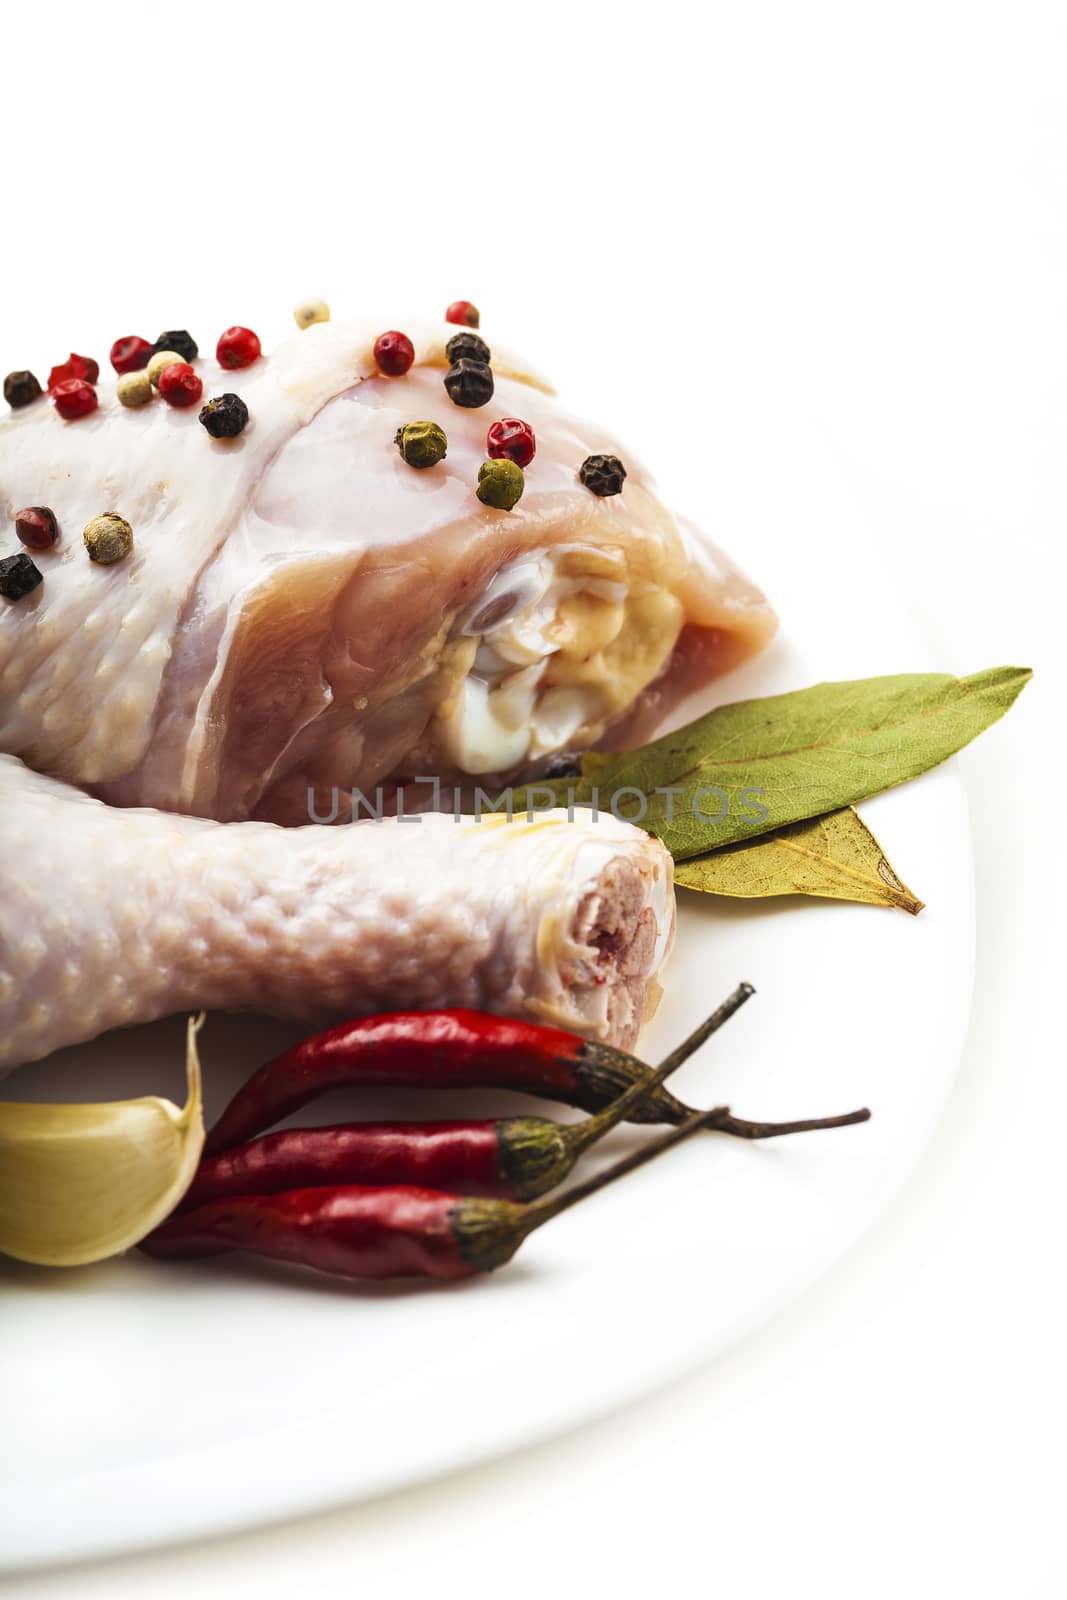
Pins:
<point x="81" y="1183"/>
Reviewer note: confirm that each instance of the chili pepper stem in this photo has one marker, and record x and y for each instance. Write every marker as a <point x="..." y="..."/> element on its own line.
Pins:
<point x="580" y="1137"/>
<point x="538" y="1212"/>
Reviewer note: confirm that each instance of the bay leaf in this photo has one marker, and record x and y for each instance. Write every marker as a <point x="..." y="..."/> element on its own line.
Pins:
<point x="756" y="766"/>
<point x="835" y="857"/>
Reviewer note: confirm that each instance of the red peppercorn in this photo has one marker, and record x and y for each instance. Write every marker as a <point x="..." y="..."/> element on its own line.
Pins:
<point x="511" y="439"/>
<point x="179" y="384"/>
<point x="238" y="347"/>
<point x="36" y="526"/>
<point x="74" y="398"/>
<point x="394" y="353"/>
<point x="130" y="353"/>
<point x="464" y="313"/>
<point x="83" y="367"/>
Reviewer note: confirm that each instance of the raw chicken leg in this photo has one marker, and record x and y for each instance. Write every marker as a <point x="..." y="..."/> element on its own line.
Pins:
<point x="110" y="917"/>
<point x="303" y="612"/>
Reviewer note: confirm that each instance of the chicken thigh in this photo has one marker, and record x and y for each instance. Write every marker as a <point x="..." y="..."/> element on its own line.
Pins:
<point x="304" y="613"/>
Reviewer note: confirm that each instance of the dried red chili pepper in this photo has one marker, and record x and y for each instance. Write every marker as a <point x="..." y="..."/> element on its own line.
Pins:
<point x="470" y="1157"/>
<point x="455" y="1049"/>
<point x="399" y="1231"/>
<point x="514" y="1158"/>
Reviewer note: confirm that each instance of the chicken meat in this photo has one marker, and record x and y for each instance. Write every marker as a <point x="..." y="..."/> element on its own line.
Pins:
<point x="303" y="614"/>
<point x="110" y="917"/>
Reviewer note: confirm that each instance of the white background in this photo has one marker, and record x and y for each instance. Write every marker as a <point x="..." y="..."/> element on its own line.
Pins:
<point x="847" y="216"/>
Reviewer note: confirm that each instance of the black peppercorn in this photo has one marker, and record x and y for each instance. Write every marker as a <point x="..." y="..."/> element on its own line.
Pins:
<point x="21" y="389"/>
<point x="181" y="341"/>
<point x="18" y="576"/>
<point x="225" y="417"/>
<point x="603" y="475"/>
<point x="469" y="383"/>
<point x="467" y="347"/>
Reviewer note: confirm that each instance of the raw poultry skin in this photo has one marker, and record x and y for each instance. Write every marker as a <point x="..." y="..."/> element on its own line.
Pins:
<point x="113" y="917"/>
<point x="304" y="613"/>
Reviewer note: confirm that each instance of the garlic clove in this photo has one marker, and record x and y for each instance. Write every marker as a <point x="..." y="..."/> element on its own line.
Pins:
<point x="81" y="1183"/>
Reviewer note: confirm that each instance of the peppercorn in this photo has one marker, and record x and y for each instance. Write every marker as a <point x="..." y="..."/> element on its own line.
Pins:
<point x="181" y="340"/>
<point x="467" y="347"/>
<point x="500" y="484"/>
<point x="463" y="312"/>
<point x="134" y="389"/>
<point x="225" y="417"/>
<point x="238" y="347"/>
<point x="108" y="538"/>
<point x="21" y="389"/>
<point x="159" y="363"/>
<point x="74" y="398"/>
<point x="512" y="439"/>
<point x="310" y="311"/>
<point x="179" y="385"/>
<point x="603" y="475"/>
<point x="422" y="444"/>
<point x="130" y="353"/>
<point x="469" y="383"/>
<point x="37" y="527"/>
<point x="394" y="353"/>
<point x="18" y="576"/>
<point x="83" y="367"/>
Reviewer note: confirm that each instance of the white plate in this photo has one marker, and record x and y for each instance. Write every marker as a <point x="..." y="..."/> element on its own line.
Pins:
<point x="142" y="1403"/>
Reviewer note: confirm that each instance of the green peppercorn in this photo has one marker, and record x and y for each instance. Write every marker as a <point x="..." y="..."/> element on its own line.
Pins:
<point x="108" y="538"/>
<point x="500" y="484"/>
<point x="134" y="388"/>
<point x="602" y="475"/>
<point x="422" y="444"/>
<point x="21" y="389"/>
<point x="159" y="363"/>
<point x="469" y="347"/>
